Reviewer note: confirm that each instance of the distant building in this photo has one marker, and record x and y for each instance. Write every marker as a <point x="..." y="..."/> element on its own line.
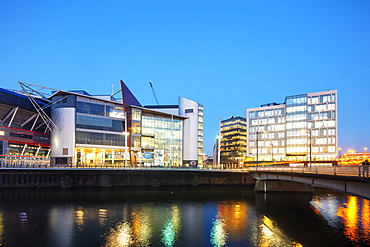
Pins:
<point x="24" y="130"/>
<point x="233" y="142"/>
<point x="304" y="127"/>
<point x="354" y="158"/>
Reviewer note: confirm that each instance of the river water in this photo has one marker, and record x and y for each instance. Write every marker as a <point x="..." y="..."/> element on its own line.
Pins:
<point x="185" y="216"/>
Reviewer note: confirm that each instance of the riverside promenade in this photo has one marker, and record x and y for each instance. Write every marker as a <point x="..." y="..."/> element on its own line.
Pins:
<point x="28" y="174"/>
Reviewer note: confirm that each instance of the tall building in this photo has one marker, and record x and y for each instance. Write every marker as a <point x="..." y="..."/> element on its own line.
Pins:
<point x="304" y="127"/>
<point x="233" y="142"/>
<point x="24" y="130"/>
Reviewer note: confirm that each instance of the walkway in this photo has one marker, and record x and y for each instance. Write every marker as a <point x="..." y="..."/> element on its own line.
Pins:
<point x="351" y="171"/>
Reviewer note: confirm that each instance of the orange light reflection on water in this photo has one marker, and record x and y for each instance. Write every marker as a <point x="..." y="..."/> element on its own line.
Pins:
<point x="353" y="215"/>
<point x="349" y="213"/>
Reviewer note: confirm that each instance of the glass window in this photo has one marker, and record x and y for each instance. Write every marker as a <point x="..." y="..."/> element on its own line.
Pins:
<point x="310" y="108"/>
<point x="136" y="114"/>
<point x="90" y="108"/>
<point x="269" y="112"/>
<point x="325" y="98"/>
<point x="331" y="106"/>
<point x="135" y="141"/>
<point x="314" y="100"/>
<point x="136" y="127"/>
<point x="93" y="138"/>
<point x="251" y="114"/>
<point x="87" y="122"/>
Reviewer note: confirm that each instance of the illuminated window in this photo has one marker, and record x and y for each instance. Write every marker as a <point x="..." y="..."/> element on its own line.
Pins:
<point x="2" y="133"/>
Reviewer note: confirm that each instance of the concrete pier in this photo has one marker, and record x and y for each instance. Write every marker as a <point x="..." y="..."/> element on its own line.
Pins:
<point x="282" y="186"/>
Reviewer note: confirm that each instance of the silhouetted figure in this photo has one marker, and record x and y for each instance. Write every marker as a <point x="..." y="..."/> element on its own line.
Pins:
<point x="365" y="168"/>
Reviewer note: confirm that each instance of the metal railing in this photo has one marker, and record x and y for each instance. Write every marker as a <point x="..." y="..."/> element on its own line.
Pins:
<point x="354" y="171"/>
<point x="45" y="164"/>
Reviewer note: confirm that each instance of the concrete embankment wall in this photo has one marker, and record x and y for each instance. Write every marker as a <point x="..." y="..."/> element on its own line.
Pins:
<point x="60" y="178"/>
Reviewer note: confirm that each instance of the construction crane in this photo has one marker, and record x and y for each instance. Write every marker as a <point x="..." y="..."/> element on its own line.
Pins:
<point x="155" y="97"/>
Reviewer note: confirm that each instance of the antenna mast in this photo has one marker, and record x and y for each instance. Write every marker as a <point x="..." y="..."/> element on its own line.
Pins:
<point x="155" y="97"/>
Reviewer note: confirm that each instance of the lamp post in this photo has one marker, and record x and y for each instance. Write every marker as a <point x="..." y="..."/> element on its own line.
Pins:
<point x="126" y="156"/>
<point x="310" y="143"/>
<point x="272" y="151"/>
<point x="257" y="142"/>
<point x="365" y="148"/>
<point x="219" y="151"/>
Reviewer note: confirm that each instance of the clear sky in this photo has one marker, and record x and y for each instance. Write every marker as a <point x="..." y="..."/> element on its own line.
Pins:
<point x="226" y="55"/>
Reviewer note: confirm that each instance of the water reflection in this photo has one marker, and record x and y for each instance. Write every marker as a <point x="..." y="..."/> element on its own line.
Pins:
<point x="79" y="217"/>
<point x="103" y="212"/>
<point x="218" y="233"/>
<point x="121" y="235"/>
<point x="351" y="214"/>
<point x="272" y="235"/>
<point x="23" y="218"/>
<point x="135" y="231"/>
<point x="1" y="229"/>
<point x="185" y="217"/>
<point x="171" y="227"/>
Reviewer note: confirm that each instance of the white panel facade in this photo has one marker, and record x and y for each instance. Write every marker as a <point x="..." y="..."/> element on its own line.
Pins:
<point x="63" y="140"/>
<point x="189" y="109"/>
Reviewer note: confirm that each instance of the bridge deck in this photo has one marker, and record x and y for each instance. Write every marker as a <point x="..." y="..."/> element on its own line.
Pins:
<point x="347" y="171"/>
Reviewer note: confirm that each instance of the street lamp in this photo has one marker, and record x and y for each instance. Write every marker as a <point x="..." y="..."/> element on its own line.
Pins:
<point x="126" y="155"/>
<point x="310" y="139"/>
<point x="365" y="148"/>
<point x="272" y="151"/>
<point x="219" y="151"/>
<point x="257" y="142"/>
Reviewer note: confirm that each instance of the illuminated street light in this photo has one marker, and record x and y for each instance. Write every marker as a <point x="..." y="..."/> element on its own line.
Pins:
<point x="257" y="143"/>
<point x="219" y="151"/>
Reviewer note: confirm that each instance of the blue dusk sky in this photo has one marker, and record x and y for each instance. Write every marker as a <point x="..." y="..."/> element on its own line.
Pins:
<point x="226" y="55"/>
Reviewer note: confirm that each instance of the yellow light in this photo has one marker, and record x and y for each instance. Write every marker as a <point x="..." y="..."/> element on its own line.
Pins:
<point x="2" y="133"/>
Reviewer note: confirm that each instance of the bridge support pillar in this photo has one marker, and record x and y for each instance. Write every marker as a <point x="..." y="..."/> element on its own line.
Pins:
<point x="282" y="186"/>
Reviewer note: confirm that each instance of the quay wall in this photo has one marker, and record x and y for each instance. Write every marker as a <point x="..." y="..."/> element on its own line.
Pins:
<point x="74" y="178"/>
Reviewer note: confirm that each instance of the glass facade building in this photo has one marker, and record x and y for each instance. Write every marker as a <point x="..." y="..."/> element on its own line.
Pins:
<point x="92" y="131"/>
<point x="156" y="138"/>
<point x="192" y="113"/>
<point x="233" y="142"/>
<point x="107" y="132"/>
<point x="304" y="127"/>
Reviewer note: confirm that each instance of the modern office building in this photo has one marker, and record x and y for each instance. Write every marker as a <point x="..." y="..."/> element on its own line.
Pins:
<point x="24" y="129"/>
<point x="88" y="130"/>
<point x="304" y="127"/>
<point x="193" y="128"/>
<point x="103" y="130"/>
<point x="233" y="135"/>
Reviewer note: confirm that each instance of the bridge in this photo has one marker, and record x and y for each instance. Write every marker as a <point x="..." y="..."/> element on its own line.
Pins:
<point x="345" y="179"/>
